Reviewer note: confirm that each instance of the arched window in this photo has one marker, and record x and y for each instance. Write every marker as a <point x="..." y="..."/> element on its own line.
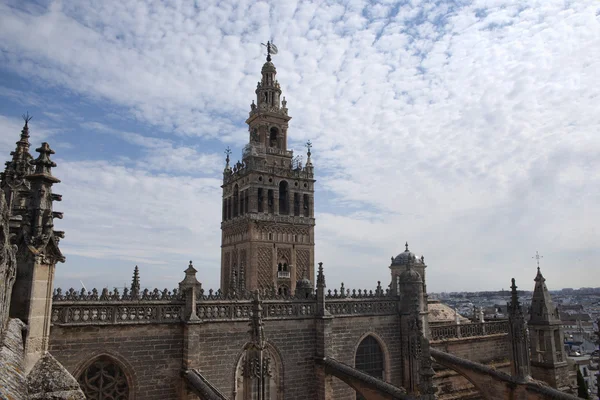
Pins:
<point x="283" y="198"/>
<point x="104" y="379"/>
<point x="273" y="137"/>
<point x="283" y="290"/>
<point x="369" y="359"/>
<point x="236" y="201"/>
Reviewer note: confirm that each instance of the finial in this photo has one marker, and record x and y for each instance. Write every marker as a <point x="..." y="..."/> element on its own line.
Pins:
<point x="271" y="49"/>
<point x="538" y="257"/>
<point x="26" y="118"/>
<point x="228" y="153"/>
<point x="43" y="164"/>
<point x="406" y="245"/>
<point x="135" y="282"/>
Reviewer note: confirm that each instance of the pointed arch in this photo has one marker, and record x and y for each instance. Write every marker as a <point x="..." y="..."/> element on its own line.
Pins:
<point x="276" y="384"/>
<point x="106" y="375"/>
<point x="284" y="193"/>
<point x="384" y="351"/>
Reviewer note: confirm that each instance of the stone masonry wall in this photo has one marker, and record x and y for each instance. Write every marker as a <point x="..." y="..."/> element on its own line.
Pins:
<point x="150" y="354"/>
<point x="218" y="347"/>
<point x="492" y="349"/>
<point x="346" y="336"/>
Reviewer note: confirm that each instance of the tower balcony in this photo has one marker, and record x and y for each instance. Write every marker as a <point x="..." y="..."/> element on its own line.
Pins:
<point x="283" y="274"/>
<point x="259" y="150"/>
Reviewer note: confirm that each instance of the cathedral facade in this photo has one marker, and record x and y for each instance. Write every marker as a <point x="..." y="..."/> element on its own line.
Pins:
<point x="274" y="330"/>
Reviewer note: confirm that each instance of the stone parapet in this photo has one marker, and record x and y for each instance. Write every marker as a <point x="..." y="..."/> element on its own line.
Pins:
<point x="454" y="331"/>
<point x="113" y="308"/>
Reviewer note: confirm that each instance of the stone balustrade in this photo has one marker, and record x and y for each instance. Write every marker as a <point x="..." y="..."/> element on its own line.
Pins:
<point x="454" y="331"/>
<point x="156" y="306"/>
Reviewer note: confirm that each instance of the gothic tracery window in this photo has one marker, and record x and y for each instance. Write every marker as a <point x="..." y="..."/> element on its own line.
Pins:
<point x="104" y="380"/>
<point x="369" y="359"/>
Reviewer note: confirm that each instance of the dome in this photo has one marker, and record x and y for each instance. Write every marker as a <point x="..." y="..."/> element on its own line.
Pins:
<point x="304" y="283"/>
<point x="406" y="257"/>
<point x="268" y="66"/>
<point x="410" y="275"/>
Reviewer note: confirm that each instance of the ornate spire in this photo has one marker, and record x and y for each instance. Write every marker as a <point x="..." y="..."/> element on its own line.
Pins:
<point x="320" y="277"/>
<point x="135" y="282"/>
<point x="514" y="306"/>
<point x="543" y="310"/>
<point x="227" y="166"/>
<point x="518" y="336"/>
<point x="37" y="223"/>
<point x="308" y="153"/>
<point x="43" y="164"/>
<point x="406" y="246"/>
<point x="13" y="178"/>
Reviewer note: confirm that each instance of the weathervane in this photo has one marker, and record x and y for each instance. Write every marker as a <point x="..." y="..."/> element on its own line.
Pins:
<point x="308" y="145"/>
<point x="26" y="117"/>
<point x="228" y="153"/>
<point x="537" y="257"/>
<point x="271" y="49"/>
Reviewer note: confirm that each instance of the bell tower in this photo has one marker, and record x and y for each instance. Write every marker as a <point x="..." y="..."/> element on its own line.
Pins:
<point x="267" y="226"/>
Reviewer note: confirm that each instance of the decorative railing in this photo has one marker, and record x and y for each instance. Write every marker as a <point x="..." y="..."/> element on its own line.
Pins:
<point x="106" y="295"/>
<point x="283" y="274"/>
<point x="352" y="306"/>
<point x="109" y="313"/>
<point x="446" y="332"/>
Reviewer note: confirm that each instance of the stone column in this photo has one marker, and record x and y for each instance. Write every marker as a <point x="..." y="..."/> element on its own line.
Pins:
<point x="276" y="200"/>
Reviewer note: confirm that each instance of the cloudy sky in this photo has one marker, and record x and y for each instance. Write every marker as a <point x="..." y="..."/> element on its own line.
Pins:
<point x="469" y="129"/>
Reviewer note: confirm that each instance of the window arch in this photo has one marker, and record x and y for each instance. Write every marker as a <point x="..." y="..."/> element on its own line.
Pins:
<point x="236" y="201"/>
<point x="370" y="359"/>
<point x="104" y="378"/>
<point x="273" y="137"/>
<point x="284" y="198"/>
<point x="283" y="290"/>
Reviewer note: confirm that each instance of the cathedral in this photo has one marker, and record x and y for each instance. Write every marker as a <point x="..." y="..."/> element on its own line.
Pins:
<point x="274" y="330"/>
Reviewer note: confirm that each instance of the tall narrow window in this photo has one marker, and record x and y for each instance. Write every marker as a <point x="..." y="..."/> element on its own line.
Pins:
<point x="104" y="379"/>
<point x="229" y="209"/>
<point x="306" y="205"/>
<point x="270" y="201"/>
<point x="246" y="201"/>
<point x="296" y="204"/>
<point x="273" y="137"/>
<point x="224" y="209"/>
<point x="259" y="199"/>
<point x="283" y="198"/>
<point x="369" y="359"/>
<point x="541" y="341"/>
<point x="242" y="203"/>
<point x="236" y="201"/>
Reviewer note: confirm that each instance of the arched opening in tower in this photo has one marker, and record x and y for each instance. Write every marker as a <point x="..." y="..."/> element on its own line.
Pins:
<point x="283" y="198"/>
<point x="273" y="137"/>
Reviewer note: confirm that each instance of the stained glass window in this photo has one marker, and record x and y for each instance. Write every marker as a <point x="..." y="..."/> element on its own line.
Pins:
<point x="369" y="359"/>
<point x="104" y="380"/>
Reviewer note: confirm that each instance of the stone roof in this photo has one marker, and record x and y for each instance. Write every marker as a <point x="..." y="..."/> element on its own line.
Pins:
<point x="440" y="313"/>
<point x="49" y="380"/>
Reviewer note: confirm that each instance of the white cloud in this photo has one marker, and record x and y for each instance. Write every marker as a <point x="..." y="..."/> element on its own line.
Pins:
<point x="468" y="130"/>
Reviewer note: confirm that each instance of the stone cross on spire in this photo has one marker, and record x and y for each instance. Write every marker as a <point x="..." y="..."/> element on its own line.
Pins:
<point x="538" y="257"/>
